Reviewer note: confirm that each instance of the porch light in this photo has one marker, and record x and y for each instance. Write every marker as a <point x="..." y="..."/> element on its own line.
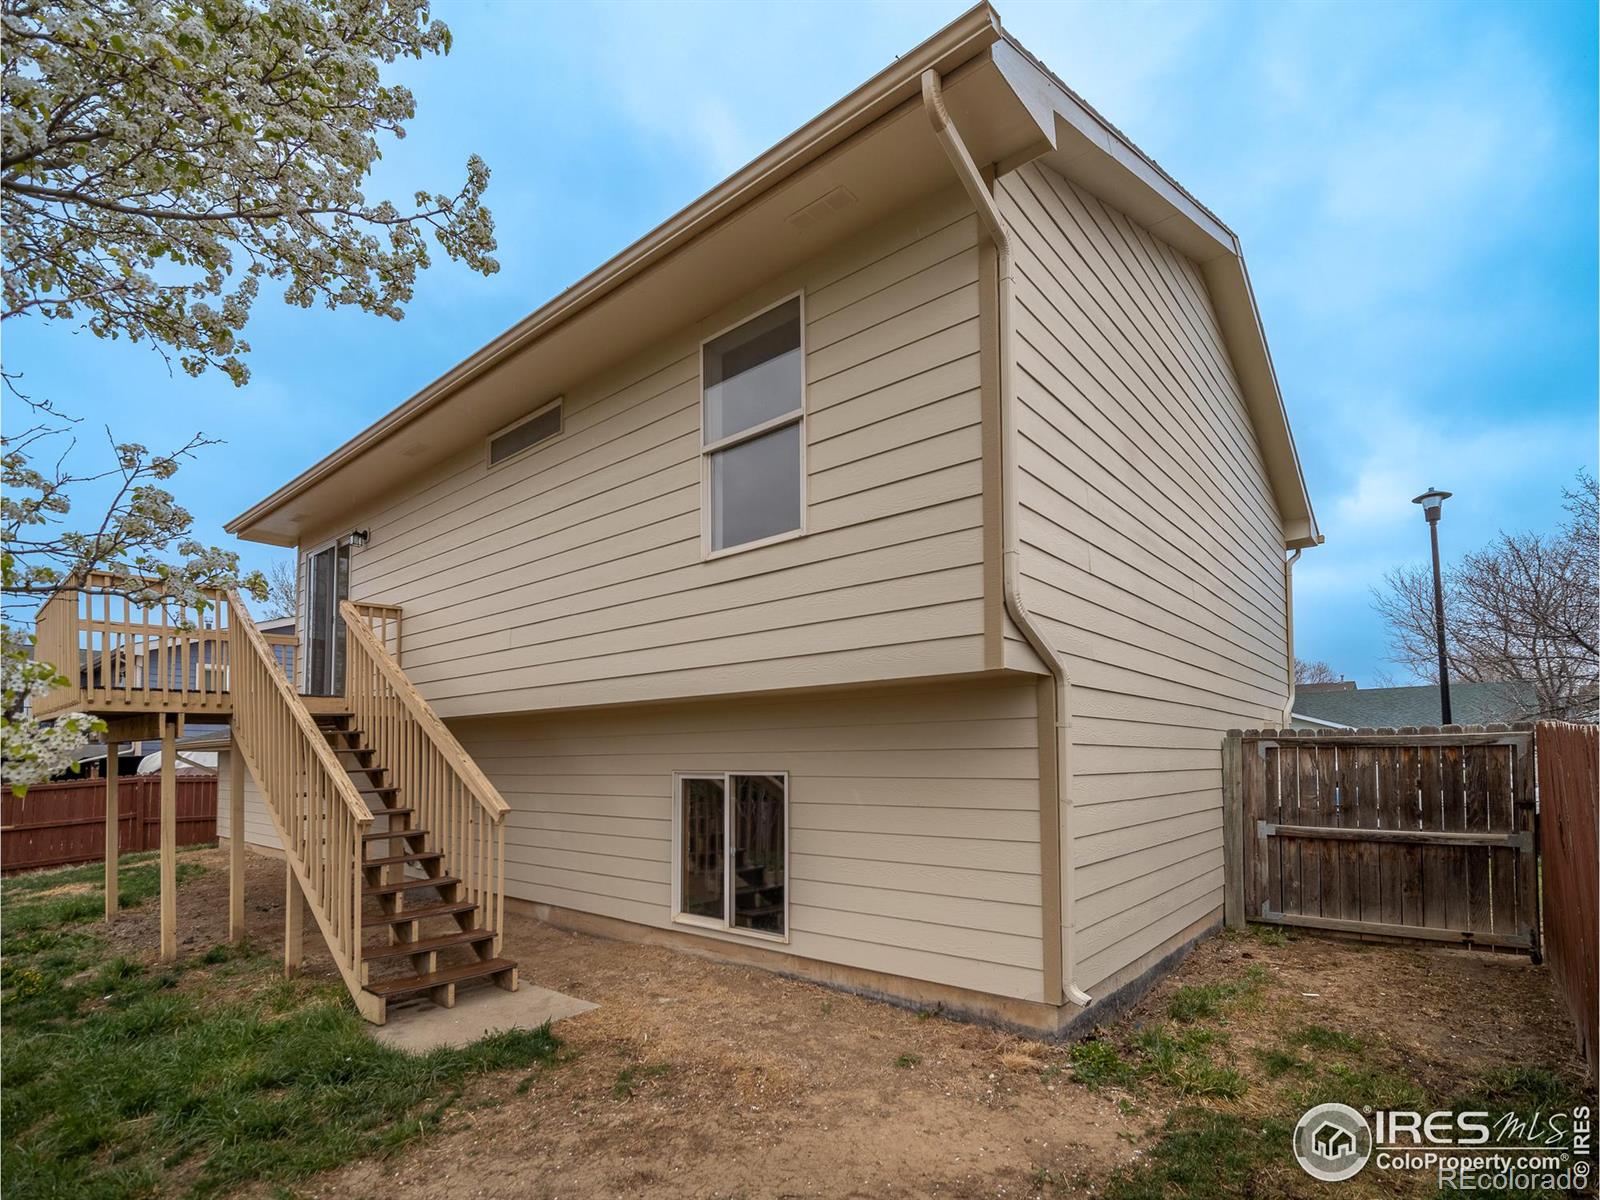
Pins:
<point x="358" y="537"/>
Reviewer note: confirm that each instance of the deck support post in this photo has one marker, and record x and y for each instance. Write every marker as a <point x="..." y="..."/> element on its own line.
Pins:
<point x="294" y="922"/>
<point x="113" y="900"/>
<point x="169" y="838"/>
<point x="235" y="844"/>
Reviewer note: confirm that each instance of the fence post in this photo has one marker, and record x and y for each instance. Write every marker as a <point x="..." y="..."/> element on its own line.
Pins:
<point x="1233" y="830"/>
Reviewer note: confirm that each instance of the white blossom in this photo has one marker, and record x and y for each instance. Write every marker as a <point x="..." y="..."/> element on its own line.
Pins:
<point x="32" y="751"/>
<point x="161" y="159"/>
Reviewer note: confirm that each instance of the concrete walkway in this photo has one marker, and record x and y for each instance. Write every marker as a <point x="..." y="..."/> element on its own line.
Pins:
<point x="478" y="1012"/>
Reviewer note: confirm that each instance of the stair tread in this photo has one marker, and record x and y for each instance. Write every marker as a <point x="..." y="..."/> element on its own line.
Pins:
<point x="406" y="985"/>
<point x="392" y="833"/>
<point x="376" y="791"/>
<point x="395" y="860"/>
<point x="389" y="812"/>
<point x="408" y="885"/>
<point x="445" y="941"/>
<point x="422" y="911"/>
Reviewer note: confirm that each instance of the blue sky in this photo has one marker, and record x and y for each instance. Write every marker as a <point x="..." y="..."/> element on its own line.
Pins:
<point x="1414" y="185"/>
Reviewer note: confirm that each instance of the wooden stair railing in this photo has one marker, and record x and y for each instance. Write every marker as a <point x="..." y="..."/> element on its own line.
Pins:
<point x="450" y="794"/>
<point x="321" y="819"/>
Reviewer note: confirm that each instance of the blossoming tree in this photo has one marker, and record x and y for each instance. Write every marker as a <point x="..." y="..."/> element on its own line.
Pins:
<point x="159" y="161"/>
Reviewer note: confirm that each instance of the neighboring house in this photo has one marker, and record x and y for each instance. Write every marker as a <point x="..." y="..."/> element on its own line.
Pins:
<point x="855" y="576"/>
<point x="1345" y="706"/>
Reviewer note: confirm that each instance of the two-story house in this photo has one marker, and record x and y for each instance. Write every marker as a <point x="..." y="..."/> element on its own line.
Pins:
<point x="853" y="576"/>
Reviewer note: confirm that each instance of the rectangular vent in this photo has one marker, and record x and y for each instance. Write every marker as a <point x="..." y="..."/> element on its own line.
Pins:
<point x="822" y="208"/>
<point x="524" y="435"/>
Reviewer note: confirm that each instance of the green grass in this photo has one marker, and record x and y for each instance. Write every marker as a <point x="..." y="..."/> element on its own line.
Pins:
<point x="1524" y="1089"/>
<point x="1205" y="1155"/>
<point x="1323" y="1040"/>
<point x="29" y="910"/>
<point x="1182" y="1061"/>
<point x="1207" y="1001"/>
<point x="1207" y="1150"/>
<point x="906" y="1061"/>
<point x="124" y="1081"/>
<point x="1275" y="1064"/>
<point x="1360" y="1087"/>
<point x="1179" y="1059"/>
<point x="1097" y="1064"/>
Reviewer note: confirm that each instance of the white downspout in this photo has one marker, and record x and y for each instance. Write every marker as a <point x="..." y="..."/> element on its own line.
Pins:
<point x="994" y="225"/>
<point x="1288" y="631"/>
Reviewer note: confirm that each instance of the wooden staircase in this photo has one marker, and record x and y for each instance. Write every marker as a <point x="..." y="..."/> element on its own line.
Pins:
<point x="431" y="939"/>
<point x="393" y="837"/>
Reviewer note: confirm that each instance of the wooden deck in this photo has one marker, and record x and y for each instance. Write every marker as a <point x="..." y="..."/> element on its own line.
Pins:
<point x="122" y="659"/>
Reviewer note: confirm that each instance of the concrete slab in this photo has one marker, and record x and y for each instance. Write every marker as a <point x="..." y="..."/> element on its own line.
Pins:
<point x="479" y="1012"/>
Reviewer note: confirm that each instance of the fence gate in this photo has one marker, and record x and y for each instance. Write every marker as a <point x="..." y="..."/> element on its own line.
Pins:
<point x="1424" y="833"/>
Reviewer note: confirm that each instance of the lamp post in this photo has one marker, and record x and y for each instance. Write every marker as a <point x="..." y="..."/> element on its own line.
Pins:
<point x="1432" y="502"/>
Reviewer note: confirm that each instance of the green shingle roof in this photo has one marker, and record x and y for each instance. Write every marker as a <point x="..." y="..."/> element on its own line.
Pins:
<point x="1380" y="708"/>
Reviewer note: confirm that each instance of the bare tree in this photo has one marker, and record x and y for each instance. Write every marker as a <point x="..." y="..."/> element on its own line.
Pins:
<point x="283" y="590"/>
<point x="1314" y="670"/>
<point x="1526" y="607"/>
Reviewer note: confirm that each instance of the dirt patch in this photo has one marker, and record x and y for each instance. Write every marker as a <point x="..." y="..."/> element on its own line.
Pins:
<point x="700" y="1079"/>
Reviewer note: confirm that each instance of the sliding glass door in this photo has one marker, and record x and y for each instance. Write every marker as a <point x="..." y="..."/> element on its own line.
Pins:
<point x="732" y="852"/>
<point x="327" y="583"/>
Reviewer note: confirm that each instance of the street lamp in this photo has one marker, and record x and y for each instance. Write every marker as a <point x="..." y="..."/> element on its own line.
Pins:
<point x="1432" y="502"/>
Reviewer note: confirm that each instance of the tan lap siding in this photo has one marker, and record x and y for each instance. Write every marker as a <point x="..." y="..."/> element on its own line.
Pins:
<point x="573" y="575"/>
<point x="258" y="827"/>
<point x="913" y="817"/>
<point x="1152" y="554"/>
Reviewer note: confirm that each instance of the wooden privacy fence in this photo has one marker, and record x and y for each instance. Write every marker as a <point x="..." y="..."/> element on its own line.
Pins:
<point x="1569" y="793"/>
<point x="54" y="824"/>
<point x="1424" y="833"/>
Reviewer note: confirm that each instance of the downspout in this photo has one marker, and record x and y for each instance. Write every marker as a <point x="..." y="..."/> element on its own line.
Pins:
<point x="1288" y="631"/>
<point x="995" y="227"/>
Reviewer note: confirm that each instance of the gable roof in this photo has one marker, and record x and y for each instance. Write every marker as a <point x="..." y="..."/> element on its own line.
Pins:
<point x="1385" y="708"/>
<point x="875" y="142"/>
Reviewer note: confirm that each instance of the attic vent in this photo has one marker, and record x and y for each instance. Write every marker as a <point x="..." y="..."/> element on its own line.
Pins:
<point x="822" y="208"/>
<point x="525" y="434"/>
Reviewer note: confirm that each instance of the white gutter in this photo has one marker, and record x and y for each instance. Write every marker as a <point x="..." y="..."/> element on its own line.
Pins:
<point x="1288" y="631"/>
<point x="994" y="225"/>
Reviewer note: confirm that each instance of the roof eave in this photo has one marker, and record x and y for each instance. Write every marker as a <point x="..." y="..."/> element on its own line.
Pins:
<point x="1089" y="147"/>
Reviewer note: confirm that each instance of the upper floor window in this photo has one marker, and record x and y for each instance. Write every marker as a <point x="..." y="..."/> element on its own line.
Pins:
<point x="752" y="429"/>
<point x="537" y="427"/>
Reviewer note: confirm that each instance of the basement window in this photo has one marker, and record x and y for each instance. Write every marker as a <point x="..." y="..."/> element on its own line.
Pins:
<point x="731" y="852"/>
<point x="536" y="427"/>
<point x="752" y="430"/>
